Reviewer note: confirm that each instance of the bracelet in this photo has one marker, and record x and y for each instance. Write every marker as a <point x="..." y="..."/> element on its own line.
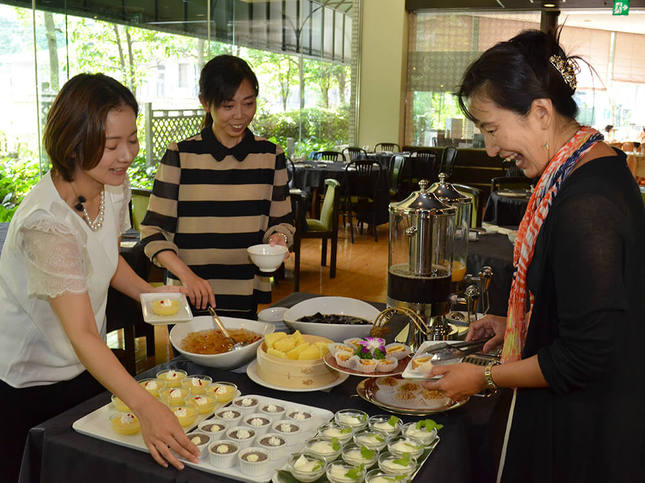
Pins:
<point x="286" y="238"/>
<point x="488" y="375"/>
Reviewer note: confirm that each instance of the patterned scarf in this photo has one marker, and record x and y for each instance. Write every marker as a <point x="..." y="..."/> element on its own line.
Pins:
<point x="558" y="169"/>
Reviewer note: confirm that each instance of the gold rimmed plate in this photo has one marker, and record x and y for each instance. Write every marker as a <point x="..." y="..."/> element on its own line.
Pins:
<point x="368" y="390"/>
<point x="331" y="362"/>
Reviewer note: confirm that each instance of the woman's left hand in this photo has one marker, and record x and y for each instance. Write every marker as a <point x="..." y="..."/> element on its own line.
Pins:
<point x="459" y="381"/>
<point x="278" y="239"/>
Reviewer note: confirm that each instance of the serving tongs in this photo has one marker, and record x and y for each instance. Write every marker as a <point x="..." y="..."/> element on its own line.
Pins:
<point x="453" y="353"/>
<point x="220" y="325"/>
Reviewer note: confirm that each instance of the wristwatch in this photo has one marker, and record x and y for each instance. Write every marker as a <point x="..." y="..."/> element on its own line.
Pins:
<point x="488" y="375"/>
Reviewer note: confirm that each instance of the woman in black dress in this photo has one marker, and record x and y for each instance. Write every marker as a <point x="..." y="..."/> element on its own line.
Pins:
<point x="571" y="341"/>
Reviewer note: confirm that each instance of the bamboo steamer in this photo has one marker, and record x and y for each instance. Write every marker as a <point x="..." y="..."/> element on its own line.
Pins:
<point x="294" y="374"/>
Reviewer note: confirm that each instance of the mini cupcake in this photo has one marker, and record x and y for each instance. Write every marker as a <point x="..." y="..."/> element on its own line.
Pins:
<point x="345" y="359"/>
<point x="152" y="385"/>
<point x="259" y="422"/>
<point x="339" y="472"/>
<point x="287" y="429"/>
<point x="433" y="399"/>
<point x="387" y="365"/>
<point x="242" y="435"/>
<point x="246" y="404"/>
<point x="354" y="342"/>
<point x="201" y="440"/>
<point x="228" y="416"/>
<point x="372" y="439"/>
<point x="275" y="444"/>
<point x="388" y="384"/>
<point x="306" y="467"/>
<point x="334" y="430"/>
<point x="125" y="423"/>
<point x="185" y="415"/>
<point x="368" y="366"/>
<point x="337" y="347"/>
<point x="222" y="454"/>
<point x="353" y="418"/>
<point x="397" y="350"/>
<point x="196" y="384"/>
<point x="216" y="429"/>
<point x="253" y="461"/>
<point x="119" y="405"/>
<point x="203" y="404"/>
<point x="172" y="377"/>
<point x="222" y="391"/>
<point x="175" y="396"/>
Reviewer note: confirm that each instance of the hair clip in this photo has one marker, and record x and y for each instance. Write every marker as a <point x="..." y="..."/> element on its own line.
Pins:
<point x="567" y="68"/>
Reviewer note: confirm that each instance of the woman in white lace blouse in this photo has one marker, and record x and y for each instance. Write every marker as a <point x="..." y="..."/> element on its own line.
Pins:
<point x="60" y="256"/>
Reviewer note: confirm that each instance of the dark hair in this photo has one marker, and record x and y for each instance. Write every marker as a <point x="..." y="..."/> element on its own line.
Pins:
<point x="514" y="73"/>
<point x="75" y="130"/>
<point x="609" y="127"/>
<point x="219" y="80"/>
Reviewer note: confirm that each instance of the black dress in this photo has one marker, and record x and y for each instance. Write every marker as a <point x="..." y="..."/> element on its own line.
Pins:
<point x="588" y="331"/>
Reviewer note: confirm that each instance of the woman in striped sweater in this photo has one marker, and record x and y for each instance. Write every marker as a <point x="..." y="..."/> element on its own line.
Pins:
<point x="217" y="193"/>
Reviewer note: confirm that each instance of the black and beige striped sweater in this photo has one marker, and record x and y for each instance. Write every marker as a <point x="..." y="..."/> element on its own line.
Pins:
<point x="209" y="203"/>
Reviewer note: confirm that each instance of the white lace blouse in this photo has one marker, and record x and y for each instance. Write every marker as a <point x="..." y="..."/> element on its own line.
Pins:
<point x="50" y="250"/>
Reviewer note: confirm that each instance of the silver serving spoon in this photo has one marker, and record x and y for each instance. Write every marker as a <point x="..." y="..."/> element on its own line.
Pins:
<point x="218" y="322"/>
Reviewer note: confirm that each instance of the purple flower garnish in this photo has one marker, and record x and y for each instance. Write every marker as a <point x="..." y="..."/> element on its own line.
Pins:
<point x="371" y="347"/>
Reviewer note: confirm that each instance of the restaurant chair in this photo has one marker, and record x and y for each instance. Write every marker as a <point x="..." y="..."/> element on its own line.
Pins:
<point x="448" y="158"/>
<point x="325" y="228"/>
<point x="362" y="181"/>
<point x="328" y="156"/>
<point x="387" y="147"/>
<point x="514" y="183"/>
<point x="138" y="206"/>
<point x="354" y="154"/>
<point x="423" y="165"/>
<point x="397" y="173"/>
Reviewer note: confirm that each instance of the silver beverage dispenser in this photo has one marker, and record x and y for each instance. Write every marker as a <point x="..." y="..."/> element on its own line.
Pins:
<point x="420" y="254"/>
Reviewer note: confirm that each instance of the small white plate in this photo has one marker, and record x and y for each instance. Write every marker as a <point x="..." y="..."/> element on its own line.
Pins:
<point x="272" y="314"/>
<point x="184" y="313"/>
<point x="252" y="372"/>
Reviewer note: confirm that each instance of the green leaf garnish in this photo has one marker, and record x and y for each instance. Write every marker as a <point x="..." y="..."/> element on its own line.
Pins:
<point x="379" y="438"/>
<point x="335" y="444"/>
<point x="363" y="417"/>
<point x="355" y="473"/>
<point x="367" y="453"/>
<point x="379" y="354"/>
<point x="346" y="430"/>
<point x="428" y="425"/>
<point x="317" y="466"/>
<point x="403" y="460"/>
<point x="393" y="421"/>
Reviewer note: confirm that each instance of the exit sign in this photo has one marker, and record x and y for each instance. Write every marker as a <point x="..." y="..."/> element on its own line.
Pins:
<point x="621" y="7"/>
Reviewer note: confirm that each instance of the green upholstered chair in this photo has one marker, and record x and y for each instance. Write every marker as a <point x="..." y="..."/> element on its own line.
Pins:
<point x="325" y="228"/>
<point x="138" y="206"/>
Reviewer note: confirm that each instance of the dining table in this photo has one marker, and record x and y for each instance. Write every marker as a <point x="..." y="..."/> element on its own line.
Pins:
<point x="506" y="207"/>
<point x="468" y="451"/>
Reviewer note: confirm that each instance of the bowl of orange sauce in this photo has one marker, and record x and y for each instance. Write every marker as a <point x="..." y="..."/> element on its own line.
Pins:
<point x="203" y="343"/>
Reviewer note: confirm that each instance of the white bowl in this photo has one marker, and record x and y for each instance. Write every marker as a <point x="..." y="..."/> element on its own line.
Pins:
<point x="227" y="360"/>
<point x="328" y="306"/>
<point x="267" y="257"/>
<point x="272" y="314"/>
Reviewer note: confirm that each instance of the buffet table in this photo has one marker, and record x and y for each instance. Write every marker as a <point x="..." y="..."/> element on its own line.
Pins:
<point x="468" y="451"/>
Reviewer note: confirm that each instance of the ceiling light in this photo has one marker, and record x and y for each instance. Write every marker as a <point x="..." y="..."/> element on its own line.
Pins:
<point x="549" y="5"/>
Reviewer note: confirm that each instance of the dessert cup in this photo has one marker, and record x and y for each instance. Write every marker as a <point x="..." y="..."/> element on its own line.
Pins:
<point x="273" y="410"/>
<point x="196" y="384"/>
<point x="223" y="454"/>
<point x="185" y="415"/>
<point x="243" y="436"/>
<point x="216" y="429"/>
<point x="289" y="430"/>
<point x="275" y="444"/>
<point x="230" y="417"/>
<point x="204" y="404"/>
<point x="301" y="418"/>
<point x="259" y="422"/>
<point x="253" y="461"/>
<point x="246" y="404"/>
<point x="378" y="476"/>
<point x="334" y="430"/>
<point x="153" y="386"/>
<point x="172" y="377"/>
<point x="340" y="472"/>
<point x="386" y="423"/>
<point x="324" y="448"/>
<point x="420" y="433"/>
<point x="354" y="454"/>
<point x="404" y="445"/>
<point x="174" y="397"/>
<point x="201" y="440"/>
<point x="353" y="418"/>
<point x="395" y="465"/>
<point x="119" y="405"/>
<point x="222" y="391"/>
<point x="306" y="467"/>
<point x="125" y="423"/>
<point x="375" y="440"/>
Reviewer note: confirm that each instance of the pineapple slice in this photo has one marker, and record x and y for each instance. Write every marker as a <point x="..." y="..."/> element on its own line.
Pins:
<point x="295" y="352"/>
<point x="273" y="352"/>
<point x="271" y="339"/>
<point x="285" y="344"/>
<point x="310" y="353"/>
<point x="324" y="347"/>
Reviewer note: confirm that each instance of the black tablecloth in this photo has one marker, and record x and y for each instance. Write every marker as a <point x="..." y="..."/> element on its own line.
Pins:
<point x="496" y="251"/>
<point x="505" y="209"/>
<point x="468" y="451"/>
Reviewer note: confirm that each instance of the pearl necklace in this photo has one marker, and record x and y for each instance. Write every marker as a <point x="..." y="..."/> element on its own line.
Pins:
<point x="97" y="223"/>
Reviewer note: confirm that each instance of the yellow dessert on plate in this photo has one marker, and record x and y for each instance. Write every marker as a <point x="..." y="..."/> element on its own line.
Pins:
<point x="203" y="404"/>
<point x="185" y="415"/>
<point x="119" y="405"/>
<point x="223" y="392"/>
<point x="172" y="377"/>
<point x="125" y="423"/>
<point x="165" y="306"/>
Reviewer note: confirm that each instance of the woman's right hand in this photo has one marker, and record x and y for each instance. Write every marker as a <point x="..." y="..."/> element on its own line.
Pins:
<point x="492" y="326"/>
<point x="198" y="290"/>
<point x="162" y="432"/>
